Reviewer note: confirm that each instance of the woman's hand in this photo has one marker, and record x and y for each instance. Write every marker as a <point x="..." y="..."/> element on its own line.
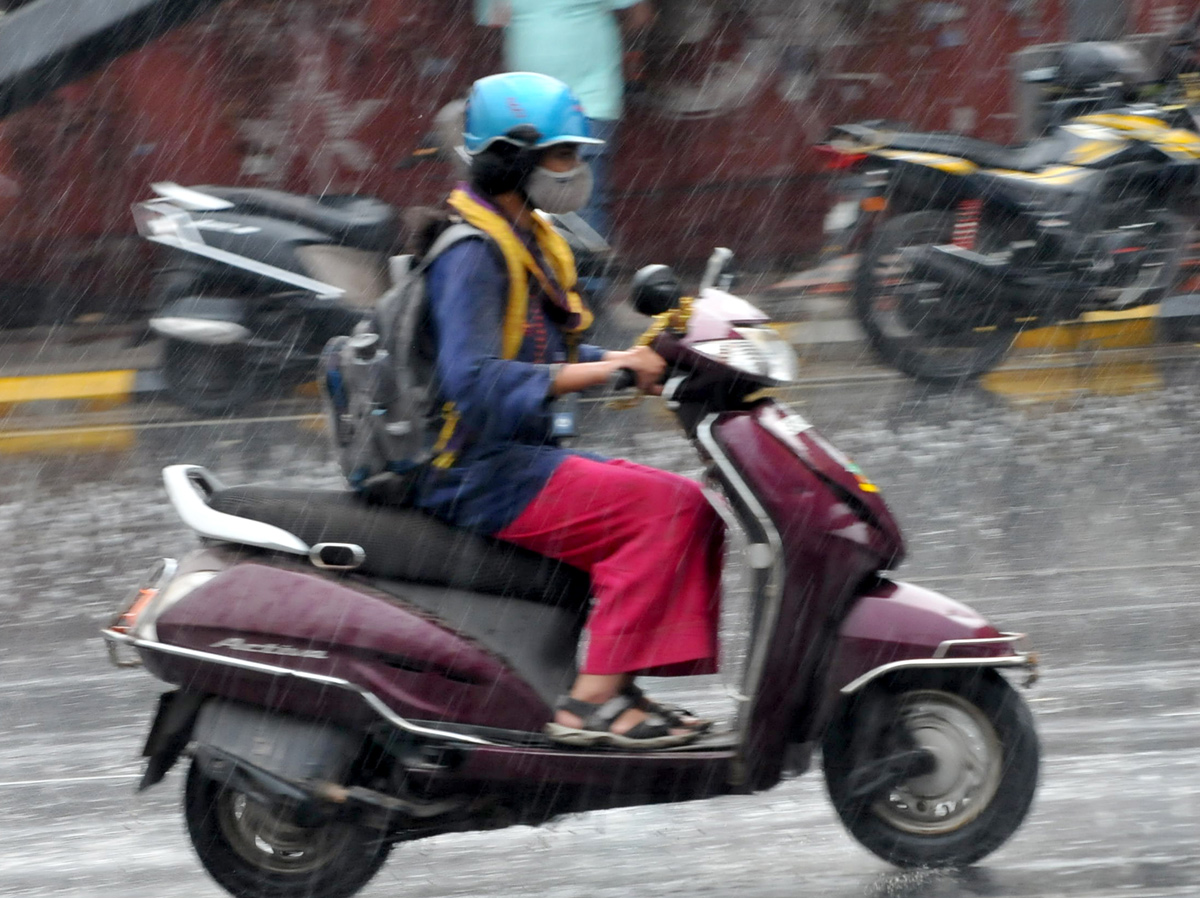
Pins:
<point x="646" y="364"/>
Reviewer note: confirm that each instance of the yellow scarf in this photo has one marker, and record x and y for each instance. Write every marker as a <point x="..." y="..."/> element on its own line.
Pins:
<point x="521" y="264"/>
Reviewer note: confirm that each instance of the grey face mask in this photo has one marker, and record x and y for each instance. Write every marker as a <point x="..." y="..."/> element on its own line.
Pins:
<point x="559" y="192"/>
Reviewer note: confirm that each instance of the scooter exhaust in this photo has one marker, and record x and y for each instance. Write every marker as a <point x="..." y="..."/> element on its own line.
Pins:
<point x="206" y="331"/>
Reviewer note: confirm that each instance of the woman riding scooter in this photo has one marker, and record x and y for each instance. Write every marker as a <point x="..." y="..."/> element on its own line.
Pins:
<point x="506" y="320"/>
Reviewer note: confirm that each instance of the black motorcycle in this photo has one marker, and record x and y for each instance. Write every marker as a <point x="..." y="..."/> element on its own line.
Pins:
<point x="963" y="243"/>
<point x="257" y="281"/>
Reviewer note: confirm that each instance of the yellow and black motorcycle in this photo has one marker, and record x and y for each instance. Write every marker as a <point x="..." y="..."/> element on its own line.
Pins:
<point x="964" y="242"/>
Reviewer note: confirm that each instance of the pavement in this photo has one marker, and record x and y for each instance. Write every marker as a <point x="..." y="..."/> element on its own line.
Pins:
<point x="91" y="365"/>
<point x="1075" y="522"/>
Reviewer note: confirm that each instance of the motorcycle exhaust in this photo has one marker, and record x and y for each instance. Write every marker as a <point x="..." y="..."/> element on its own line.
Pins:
<point x="955" y="267"/>
<point x="964" y="271"/>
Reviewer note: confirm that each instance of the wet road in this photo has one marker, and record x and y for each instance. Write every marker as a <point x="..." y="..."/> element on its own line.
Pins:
<point x="1076" y="520"/>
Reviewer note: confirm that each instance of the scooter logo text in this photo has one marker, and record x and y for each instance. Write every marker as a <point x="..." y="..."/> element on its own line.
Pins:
<point x="267" y="648"/>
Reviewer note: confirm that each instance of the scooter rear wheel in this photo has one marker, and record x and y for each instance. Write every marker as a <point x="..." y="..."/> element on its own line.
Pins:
<point x="981" y="737"/>
<point x="255" y="852"/>
<point x="209" y="380"/>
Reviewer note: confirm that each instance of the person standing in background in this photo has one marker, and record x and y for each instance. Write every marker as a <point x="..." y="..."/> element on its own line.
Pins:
<point x="579" y="42"/>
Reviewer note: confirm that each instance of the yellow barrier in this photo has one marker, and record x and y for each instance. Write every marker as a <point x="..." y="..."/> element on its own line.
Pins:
<point x="103" y="386"/>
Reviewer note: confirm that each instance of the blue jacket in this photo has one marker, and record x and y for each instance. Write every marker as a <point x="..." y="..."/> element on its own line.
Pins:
<point x="506" y="451"/>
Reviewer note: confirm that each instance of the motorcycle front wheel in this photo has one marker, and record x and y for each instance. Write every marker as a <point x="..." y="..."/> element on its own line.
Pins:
<point x="255" y="852"/>
<point x="977" y="789"/>
<point x="922" y="327"/>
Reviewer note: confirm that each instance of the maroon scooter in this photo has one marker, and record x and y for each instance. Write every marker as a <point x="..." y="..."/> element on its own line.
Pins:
<point x="350" y="676"/>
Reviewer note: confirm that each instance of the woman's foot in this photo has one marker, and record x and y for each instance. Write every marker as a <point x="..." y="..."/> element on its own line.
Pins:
<point x="675" y="715"/>
<point x="617" y="722"/>
<point x="610" y="710"/>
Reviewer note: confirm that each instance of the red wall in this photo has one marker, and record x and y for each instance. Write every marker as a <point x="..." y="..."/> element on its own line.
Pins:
<point x="313" y="95"/>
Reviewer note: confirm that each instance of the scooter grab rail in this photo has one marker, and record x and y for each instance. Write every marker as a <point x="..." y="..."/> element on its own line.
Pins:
<point x="181" y="482"/>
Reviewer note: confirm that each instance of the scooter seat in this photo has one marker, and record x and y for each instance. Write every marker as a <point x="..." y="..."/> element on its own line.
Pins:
<point x="405" y="544"/>
<point x="360" y="222"/>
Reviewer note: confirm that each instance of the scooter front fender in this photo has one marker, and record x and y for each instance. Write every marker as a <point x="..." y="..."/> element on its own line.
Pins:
<point x="900" y="626"/>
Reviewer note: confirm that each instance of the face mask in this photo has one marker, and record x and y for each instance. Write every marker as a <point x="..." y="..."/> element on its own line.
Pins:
<point x="559" y="192"/>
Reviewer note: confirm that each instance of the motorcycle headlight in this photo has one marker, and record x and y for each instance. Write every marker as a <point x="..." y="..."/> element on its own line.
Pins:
<point x="758" y="351"/>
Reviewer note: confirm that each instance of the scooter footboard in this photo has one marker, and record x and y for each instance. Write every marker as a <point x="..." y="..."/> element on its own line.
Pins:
<point x="898" y="626"/>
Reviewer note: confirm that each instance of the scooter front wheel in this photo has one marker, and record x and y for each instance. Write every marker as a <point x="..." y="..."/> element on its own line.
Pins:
<point x="933" y="769"/>
<point x="255" y="852"/>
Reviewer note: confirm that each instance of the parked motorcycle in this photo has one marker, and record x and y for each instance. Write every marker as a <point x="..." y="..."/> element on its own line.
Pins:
<point x="349" y="677"/>
<point x="962" y="243"/>
<point x="257" y="281"/>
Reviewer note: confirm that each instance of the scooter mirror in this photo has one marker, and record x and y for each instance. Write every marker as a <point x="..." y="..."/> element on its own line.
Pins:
<point x="655" y="289"/>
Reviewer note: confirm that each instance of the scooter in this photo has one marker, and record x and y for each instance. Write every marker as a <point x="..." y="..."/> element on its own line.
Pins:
<point x="257" y="281"/>
<point x="349" y="677"/>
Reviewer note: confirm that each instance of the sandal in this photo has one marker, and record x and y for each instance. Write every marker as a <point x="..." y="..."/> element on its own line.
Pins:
<point x="651" y="733"/>
<point x="674" y="714"/>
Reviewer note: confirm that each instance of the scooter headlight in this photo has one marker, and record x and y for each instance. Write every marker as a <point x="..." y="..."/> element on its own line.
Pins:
<point x="759" y="351"/>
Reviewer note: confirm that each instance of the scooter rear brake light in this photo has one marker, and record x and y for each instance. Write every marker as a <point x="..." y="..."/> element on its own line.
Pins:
<point x="137" y="600"/>
<point x="158" y="590"/>
<point x="127" y="619"/>
<point x="836" y="159"/>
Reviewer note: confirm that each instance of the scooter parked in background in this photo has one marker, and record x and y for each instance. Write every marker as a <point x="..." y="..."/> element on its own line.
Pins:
<point x="257" y="281"/>
<point x="348" y="677"/>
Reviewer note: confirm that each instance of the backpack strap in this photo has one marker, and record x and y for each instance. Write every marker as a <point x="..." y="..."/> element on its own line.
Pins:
<point x="386" y="311"/>
<point x="443" y="455"/>
<point x="458" y="231"/>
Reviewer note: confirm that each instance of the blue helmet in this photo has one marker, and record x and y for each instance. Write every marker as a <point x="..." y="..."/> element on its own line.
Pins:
<point x="524" y="109"/>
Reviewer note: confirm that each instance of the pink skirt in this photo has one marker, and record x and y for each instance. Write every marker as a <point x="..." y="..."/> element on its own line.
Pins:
<point x="653" y="546"/>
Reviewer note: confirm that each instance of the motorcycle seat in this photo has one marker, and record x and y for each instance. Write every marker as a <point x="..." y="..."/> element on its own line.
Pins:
<point x="360" y="222"/>
<point x="408" y="545"/>
<point x="1030" y="157"/>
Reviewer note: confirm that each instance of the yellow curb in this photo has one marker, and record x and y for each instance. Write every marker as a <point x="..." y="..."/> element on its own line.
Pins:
<point x="109" y="387"/>
<point x="1048" y="384"/>
<point x="1095" y="330"/>
<point x="67" y="441"/>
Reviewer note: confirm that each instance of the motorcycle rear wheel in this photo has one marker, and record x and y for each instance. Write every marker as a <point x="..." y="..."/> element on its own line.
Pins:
<point x="254" y="852"/>
<point x="982" y="738"/>
<point x="920" y="327"/>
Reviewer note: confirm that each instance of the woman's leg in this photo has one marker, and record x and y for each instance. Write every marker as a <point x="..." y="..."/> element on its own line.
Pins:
<point x="653" y="547"/>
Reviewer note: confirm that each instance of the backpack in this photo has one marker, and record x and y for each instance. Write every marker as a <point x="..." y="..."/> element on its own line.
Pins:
<point x="376" y="382"/>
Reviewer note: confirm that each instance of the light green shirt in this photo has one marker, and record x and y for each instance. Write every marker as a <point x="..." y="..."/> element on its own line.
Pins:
<point x="576" y="41"/>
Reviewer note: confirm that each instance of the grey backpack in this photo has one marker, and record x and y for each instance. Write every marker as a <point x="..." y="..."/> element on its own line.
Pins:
<point x="376" y="381"/>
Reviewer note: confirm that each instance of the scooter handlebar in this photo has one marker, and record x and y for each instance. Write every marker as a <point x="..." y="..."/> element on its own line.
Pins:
<point x="621" y="380"/>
